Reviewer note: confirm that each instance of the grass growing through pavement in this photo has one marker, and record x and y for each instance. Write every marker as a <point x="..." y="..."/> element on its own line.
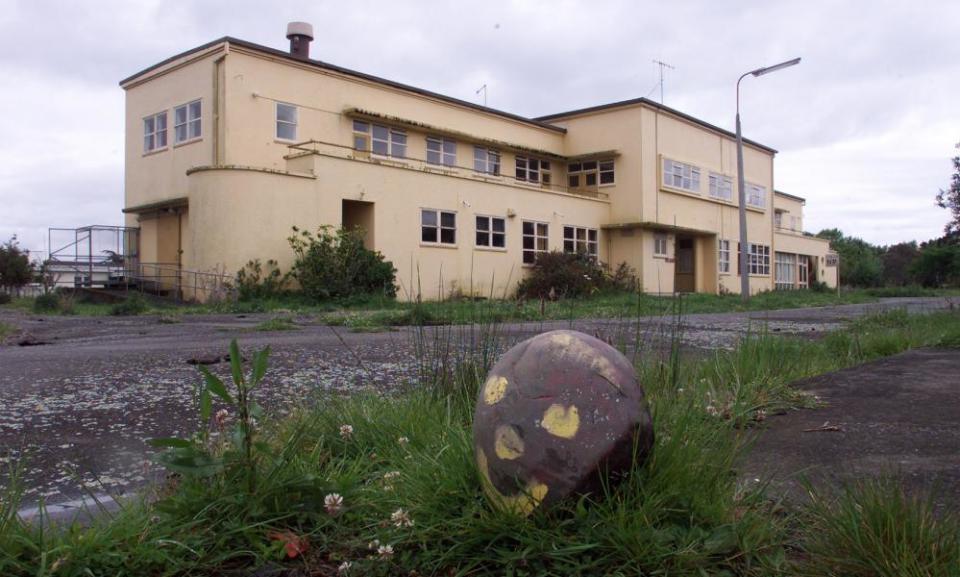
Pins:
<point x="411" y="500"/>
<point x="277" y="324"/>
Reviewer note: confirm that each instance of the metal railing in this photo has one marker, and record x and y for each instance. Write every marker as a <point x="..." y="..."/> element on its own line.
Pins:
<point x="172" y="281"/>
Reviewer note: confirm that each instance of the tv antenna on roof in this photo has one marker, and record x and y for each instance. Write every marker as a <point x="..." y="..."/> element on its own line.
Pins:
<point x="484" y="90"/>
<point x="662" y="65"/>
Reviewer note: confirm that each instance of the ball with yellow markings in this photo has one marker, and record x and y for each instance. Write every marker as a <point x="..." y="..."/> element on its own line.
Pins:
<point x="556" y="411"/>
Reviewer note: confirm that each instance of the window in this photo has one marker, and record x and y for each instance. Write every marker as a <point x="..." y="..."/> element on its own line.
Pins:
<point x="785" y="274"/>
<point x="438" y="227"/>
<point x="580" y="239"/>
<point x="723" y="258"/>
<point x="491" y="232"/>
<point x="803" y="271"/>
<point x="486" y="160"/>
<point x="759" y="259"/>
<point x="778" y="219"/>
<point x="660" y="244"/>
<point x="680" y="175"/>
<point x="286" y="121"/>
<point x="535" y="240"/>
<point x="441" y="151"/>
<point x="587" y="174"/>
<point x="381" y="140"/>
<point x="533" y="170"/>
<point x="756" y="195"/>
<point x="186" y="122"/>
<point x="721" y="186"/>
<point x="155" y="132"/>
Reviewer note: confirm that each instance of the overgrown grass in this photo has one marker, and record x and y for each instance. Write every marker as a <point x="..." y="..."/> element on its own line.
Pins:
<point x="6" y="330"/>
<point x="681" y="512"/>
<point x="277" y="324"/>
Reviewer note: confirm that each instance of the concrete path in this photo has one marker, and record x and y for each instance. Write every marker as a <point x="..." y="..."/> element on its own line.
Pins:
<point x="897" y="416"/>
<point x="76" y="411"/>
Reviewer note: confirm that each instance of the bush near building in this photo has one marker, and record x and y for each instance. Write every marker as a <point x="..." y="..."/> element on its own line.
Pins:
<point x="572" y="275"/>
<point x="334" y="264"/>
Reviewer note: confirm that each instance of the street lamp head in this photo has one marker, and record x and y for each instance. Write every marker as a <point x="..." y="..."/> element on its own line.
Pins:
<point x="775" y="67"/>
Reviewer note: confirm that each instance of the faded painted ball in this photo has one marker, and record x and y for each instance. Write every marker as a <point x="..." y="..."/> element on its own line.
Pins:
<point x="554" y="412"/>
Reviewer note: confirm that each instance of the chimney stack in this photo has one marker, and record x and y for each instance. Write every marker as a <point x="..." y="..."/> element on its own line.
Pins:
<point x="300" y="35"/>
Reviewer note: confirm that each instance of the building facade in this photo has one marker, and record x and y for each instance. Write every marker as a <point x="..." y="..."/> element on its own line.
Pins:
<point x="231" y="144"/>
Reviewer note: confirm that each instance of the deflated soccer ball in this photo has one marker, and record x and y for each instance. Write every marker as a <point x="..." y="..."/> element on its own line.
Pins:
<point x="556" y="411"/>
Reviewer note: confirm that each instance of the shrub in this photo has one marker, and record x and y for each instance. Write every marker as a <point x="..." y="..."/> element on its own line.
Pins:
<point x="335" y="264"/>
<point x="47" y="303"/>
<point x="559" y="274"/>
<point x="5" y="298"/>
<point x="256" y="281"/>
<point x="133" y="305"/>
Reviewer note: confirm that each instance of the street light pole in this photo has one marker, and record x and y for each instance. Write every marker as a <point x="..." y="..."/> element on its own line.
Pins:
<point x="741" y="186"/>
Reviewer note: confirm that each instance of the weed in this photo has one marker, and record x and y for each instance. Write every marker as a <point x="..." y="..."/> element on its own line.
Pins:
<point x="46" y="303"/>
<point x="135" y="304"/>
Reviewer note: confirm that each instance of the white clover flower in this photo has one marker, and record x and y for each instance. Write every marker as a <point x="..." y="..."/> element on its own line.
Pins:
<point x="712" y="411"/>
<point x="390" y="475"/>
<point x="346" y="432"/>
<point x="373" y="544"/>
<point x="401" y="519"/>
<point x="344" y="567"/>
<point x="221" y="417"/>
<point x="385" y="551"/>
<point x="403" y="441"/>
<point x="333" y="503"/>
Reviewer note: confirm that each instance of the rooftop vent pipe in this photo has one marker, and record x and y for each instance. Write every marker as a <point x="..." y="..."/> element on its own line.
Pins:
<point x="300" y="35"/>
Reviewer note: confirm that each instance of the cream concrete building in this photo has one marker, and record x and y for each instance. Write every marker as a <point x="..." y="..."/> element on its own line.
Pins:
<point x="231" y="144"/>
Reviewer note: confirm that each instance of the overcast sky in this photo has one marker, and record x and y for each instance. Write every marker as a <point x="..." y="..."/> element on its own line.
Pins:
<point x="865" y="126"/>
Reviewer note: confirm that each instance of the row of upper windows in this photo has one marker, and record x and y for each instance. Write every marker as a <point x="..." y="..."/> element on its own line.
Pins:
<point x="686" y="177"/>
<point x="389" y="141"/>
<point x="439" y="227"/>
<point x="187" y="126"/>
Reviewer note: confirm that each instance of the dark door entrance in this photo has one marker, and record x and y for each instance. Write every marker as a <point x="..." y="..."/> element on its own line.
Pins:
<point x="357" y="213"/>
<point x="684" y="276"/>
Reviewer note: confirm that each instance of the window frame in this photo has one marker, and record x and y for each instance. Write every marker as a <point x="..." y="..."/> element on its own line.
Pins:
<point x="155" y="133"/>
<point x="536" y="237"/>
<point x="659" y="237"/>
<point x="442" y="151"/>
<point x="490" y="231"/>
<point x="688" y="171"/>
<point x="750" y="188"/>
<point x="543" y="169"/>
<point x="723" y="256"/>
<point x="295" y="123"/>
<point x="188" y="122"/>
<point x="491" y="158"/>
<point x="577" y="241"/>
<point x="369" y="138"/>
<point x="438" y="227"/>
<point x="758" y="259"/>
<point x="714" y="189"/>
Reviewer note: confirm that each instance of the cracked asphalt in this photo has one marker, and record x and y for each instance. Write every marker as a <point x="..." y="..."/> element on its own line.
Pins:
<point x="75" y="413"/>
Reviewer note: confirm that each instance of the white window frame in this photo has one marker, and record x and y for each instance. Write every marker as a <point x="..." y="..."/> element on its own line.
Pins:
<point x="485" y="225"/>
<point x="785" y="267"/>
<point x="283" y="122"/>
<point x="756" y="195"/>
<point x="720" y="186"/>
<point x="723" y="256"/>
<point x="531" y="165"/>
<point x="486" y="160"/>
<point x="611" y="170"/>
<point x="535" y="237"/>
<point x="395" y="141"/>
<point x="758" y="257"/>
<point x="438" y="227"/>
<point x="439" y="156"/>
<point x="681" y="176"/>
<point x="661" y="244"/>
<point x="778" y="218"/>
<point x="581" y="242"/>
<point x="153" y="135"/>
<point x="190" y="124"/>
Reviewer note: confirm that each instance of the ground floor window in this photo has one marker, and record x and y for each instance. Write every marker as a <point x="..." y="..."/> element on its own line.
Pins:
<point x="491" y="232"/>
<point x="438" y="226"/>
<point x="535" y="240"/>
<point x="660" y="244"/>
<point x="786" y="275"/>
<point x="758" y="256"/>
<point x="723" y="255"/>
<point x="580" y="239"/>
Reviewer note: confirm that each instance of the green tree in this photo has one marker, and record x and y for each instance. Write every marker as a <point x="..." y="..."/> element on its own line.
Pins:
<point x="897" y="262"/>
<point x="16" y="270"/>
<point x="938" y="264"/>
<point x="950" y="199"/>
<point x="860" y="263"/>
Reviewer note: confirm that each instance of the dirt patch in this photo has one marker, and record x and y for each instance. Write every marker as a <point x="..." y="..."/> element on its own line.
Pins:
<point x="898" y="416"/>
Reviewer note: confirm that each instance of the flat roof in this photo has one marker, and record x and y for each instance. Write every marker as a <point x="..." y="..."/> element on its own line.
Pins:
<point x="785" y="195"/>
<point x="652" y="104"/>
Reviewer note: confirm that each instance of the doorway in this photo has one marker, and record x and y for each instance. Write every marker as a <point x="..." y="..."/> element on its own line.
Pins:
<point x="357" y="213"/>
<point x="685" y="280"/>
